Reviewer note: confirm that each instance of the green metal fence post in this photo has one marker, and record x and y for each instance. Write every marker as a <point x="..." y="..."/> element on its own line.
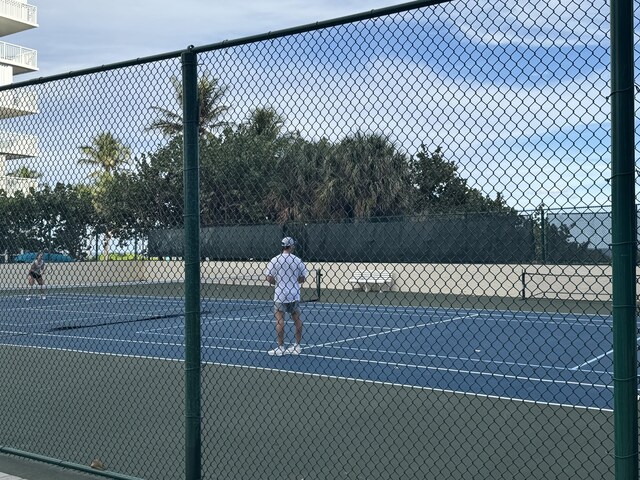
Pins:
<point x="543" y="234"/>
<point x="624" y="241"/>
<point x="192" y="266"/>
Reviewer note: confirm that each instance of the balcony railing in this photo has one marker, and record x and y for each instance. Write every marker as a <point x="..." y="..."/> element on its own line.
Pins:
<point x="21" y="58"/>
<point x="15" y="103"/>
<point x="22" y="12"/>
<point x="18" y="145"/>
<point x="12" y="185"/>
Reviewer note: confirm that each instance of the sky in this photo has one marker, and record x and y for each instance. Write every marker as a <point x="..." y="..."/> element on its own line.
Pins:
<point x="73" y="34"/>
<point x="516" y="95"/>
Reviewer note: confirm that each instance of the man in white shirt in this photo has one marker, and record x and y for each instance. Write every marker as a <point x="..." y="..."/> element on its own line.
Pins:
<point x="287" y="272"/>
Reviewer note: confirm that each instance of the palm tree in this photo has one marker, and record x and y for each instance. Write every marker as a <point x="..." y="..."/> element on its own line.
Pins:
<point x="365" y="176"/>
<point x="295" y="179"/>
<point x="266" y="122"/>
<point x="107" y="153"/>
<point x="210" y="94"/>
<point x="25" y="172"/>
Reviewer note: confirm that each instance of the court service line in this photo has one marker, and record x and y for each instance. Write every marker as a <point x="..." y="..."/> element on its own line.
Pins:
<point x="548" y="322"/>
<point x="378" y="351"/>
<point x="326" y="357"/>
<point x="522" y="378"/>
<point x="351" y="360"/>
<point x="330" y="357"/>
<point x="495" y="313"/>
<point x="211" y="320"/>
<point x="365" y="361"/>
<point x="463" y="359"/>
<point x="595" y="359"/>
<point x="393" y="330"/>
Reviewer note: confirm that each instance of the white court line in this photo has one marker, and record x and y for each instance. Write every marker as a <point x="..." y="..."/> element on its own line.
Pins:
<point x="91" y="312"/>
<point x="154" y="332"/>
<point x="271" y="321"/>
<point x="251" y="350"/>
<point x="415" y="387"/>
<point x="388" y="352"/>
<point x="400" y="310"/>
<point x="331" y="377"/>
<point x="328" y="357"/>
<point x="393" y="330"/>
<point x="494" y="313"/>
<point x="249" y="318"/>
<point x="520" y="318"/>
<point x="386" y="330"/>
<point x="595" y="359"/>
<point x="75" y="299"/>
<point x="211" y="320"/>
<point x="523" y="319"/>
<point x="466" y="372"/>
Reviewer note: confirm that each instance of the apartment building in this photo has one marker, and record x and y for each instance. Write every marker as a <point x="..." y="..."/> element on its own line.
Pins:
<point x="16" y="16"/>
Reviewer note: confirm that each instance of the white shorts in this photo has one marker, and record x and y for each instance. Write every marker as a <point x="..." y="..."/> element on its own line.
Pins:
<point x="291" y="307"/>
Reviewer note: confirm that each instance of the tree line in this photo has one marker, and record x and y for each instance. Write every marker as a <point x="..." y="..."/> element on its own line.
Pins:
<point x="254" y="172"/>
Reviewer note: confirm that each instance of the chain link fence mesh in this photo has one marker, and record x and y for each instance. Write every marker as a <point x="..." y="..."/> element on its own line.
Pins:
<point x="444" y="172"/>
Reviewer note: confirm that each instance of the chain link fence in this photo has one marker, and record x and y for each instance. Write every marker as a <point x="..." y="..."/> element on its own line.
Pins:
<point x="444" y="171"/>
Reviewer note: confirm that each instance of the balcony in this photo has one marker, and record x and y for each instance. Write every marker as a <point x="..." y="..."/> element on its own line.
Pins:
<point x="16" y="104"/>
<point x="18" y="145"/>
<point x="12" y="185"/>
<point x="16" y="16"/>
<point x="22" y="59"/>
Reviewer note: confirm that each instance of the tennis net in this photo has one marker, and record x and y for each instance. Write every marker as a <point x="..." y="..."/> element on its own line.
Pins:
<point x="578" y="285"/>
<point x="61" y="308"/>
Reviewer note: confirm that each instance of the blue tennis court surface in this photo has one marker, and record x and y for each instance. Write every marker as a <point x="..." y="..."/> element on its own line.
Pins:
<point x="553" y="358"/>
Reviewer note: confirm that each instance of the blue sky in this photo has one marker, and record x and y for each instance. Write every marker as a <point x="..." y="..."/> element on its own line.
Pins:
<point x="79" y="34"/>
<point x="518" y="100"/>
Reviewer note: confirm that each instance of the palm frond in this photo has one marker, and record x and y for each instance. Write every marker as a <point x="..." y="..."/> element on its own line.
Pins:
<point x="210" y="94"/>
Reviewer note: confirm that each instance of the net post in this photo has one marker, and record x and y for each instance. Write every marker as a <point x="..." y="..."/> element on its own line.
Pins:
<point x="318" y="278"/>
<point x="523" y="280"/>
<point x="624" y="248"/>
<point x="191" y="266"/>
<point x="543" y="234"/>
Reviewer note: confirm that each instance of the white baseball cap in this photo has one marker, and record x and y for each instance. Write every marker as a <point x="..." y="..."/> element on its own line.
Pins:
<point x="288" y="242"/>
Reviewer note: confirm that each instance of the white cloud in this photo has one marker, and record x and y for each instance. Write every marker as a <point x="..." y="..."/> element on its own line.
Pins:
<point x="75" y="35"/>
<point x="523" y="131"/>
<point x="536" y="24"/>
<point x="532" y="143"/>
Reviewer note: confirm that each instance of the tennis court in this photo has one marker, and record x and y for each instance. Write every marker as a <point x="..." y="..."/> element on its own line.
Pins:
<point x="559" y="358"/>
<point x="103" y="367"/>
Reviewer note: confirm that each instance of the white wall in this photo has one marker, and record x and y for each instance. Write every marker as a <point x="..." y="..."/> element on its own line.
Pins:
<point x="588" y="282"/>
<point x="576" y="282"/>
<point x="6" y="75"/>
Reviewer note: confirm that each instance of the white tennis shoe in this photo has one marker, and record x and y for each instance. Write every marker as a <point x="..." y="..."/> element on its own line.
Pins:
<point x="278" y="351"/>
<point x="293" y="350"/>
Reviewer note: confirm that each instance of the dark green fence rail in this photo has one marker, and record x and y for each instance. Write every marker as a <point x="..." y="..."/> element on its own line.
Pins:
<point x="459" y="183"/>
